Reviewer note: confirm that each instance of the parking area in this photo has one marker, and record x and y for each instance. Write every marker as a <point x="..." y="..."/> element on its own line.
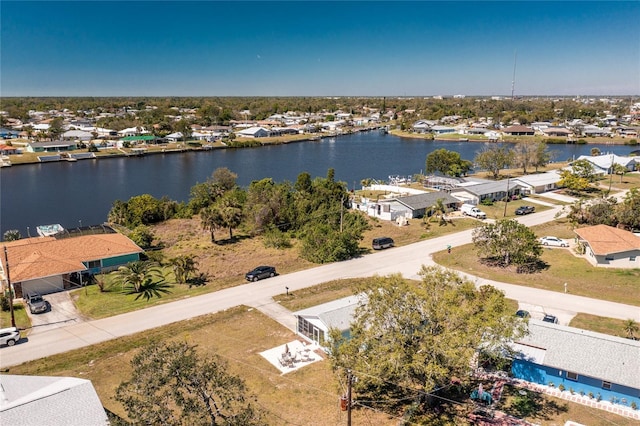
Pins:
<point x="61" y="311"/>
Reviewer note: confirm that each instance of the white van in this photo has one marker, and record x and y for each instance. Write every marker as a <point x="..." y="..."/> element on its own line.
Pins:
<point x="473" y="211"/>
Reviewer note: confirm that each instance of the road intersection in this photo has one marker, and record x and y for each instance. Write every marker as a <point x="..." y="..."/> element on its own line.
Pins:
<point x="406" y="260"/>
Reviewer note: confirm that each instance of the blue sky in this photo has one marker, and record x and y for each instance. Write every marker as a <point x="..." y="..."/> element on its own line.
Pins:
<point x="149" y="48"/>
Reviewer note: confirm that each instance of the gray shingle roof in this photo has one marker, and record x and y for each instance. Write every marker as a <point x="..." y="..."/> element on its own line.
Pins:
<point x="597" y="355"/>
<point x="50" y="401"/>
<point x="428" y="199"/>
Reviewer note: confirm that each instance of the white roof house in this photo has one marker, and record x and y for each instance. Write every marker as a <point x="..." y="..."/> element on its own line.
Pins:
<point x="253" y="132"/>
<point x="314" y="322"/>
<point x="77" y="135"/>
<point x="69" y="401"/>
<point x="539" y="182"/>
<point x="602" y="163"/>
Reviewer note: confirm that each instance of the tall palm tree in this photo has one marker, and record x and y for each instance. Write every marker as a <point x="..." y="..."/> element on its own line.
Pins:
<point x="210" y="220"/>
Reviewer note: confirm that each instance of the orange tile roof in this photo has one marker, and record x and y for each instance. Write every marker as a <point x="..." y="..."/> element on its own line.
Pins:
<point x="604" y="239"/>
<point x="40" y="257"/>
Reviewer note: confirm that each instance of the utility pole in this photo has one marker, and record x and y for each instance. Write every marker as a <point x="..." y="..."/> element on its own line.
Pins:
<point x="349" y="383"/>
<point x="6" y="272"/>
<point x="506" y="199"/>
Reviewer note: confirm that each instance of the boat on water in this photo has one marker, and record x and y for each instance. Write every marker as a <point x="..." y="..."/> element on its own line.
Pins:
<point x="49" y="230"/>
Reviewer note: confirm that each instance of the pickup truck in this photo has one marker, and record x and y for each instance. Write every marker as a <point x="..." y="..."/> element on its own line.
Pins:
<point x="473" y="211"/>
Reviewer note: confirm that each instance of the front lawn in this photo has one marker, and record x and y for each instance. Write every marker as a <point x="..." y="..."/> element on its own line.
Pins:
<point x="616" y="285"/>
<point x="611" y="326"/>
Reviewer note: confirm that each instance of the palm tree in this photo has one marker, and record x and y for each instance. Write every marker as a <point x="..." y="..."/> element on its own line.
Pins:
<point x="631" y="328"/>
<point x="210" y="220"/>
<point x="438" y="211"/>
<point x="183" y="267"/>
<point x="135" y="275"/>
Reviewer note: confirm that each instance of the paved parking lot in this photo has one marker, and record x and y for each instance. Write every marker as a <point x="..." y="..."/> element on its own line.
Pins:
<point x="61" y="312"/>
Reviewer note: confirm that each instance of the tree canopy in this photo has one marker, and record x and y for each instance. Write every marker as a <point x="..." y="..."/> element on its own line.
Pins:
<point x="494" y="158"/>
<point x="507" y="242"/>
<point x="408" y="339"/>
<point x="171" y="384"/>
<point x="448" y="163"/>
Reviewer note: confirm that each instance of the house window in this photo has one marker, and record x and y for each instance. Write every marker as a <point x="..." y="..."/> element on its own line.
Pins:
<point x="572" y="376"/>
<point x="608" y="258"/>
<point x="632" y="258"/>
<point x="93" y="264"/>
<point x="606" y="385"/>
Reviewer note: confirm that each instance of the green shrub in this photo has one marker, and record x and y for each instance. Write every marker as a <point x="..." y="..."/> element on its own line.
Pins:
<point x="631" y="142"/>
<point x="581" y="142"/>
<point x="5" y="303"/>
<point x="487" y="202"/>
<point x="591" y="395"/>
<point x="561" y="387"/>
<point x="277" y="239"/>
<point x="634" y="405"/>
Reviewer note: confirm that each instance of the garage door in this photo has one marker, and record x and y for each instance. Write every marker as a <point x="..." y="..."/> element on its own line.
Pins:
<point x="43" y="285"/>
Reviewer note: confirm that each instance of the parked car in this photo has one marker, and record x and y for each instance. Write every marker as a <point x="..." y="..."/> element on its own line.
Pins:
<point x="525" y="210"/>
<point x="36" y="303"/>
<point x="522" y="314"/>
<point x="550" y="318"/>
<point x="9" y="336"/>
<point x="260" y="272"/>
<point x="553" y="241"/>
<point x="382" y="243"/>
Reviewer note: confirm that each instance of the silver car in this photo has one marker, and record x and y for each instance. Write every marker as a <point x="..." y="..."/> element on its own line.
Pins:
<point x="37" y="304"/>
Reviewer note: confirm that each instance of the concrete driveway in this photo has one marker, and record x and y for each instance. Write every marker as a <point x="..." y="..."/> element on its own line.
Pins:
<point x="61" y="312"/>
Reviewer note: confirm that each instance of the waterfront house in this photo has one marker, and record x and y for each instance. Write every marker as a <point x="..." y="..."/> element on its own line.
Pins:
<point x="518" y="131"/>
<point x="602" y="163"/>
<point x="442" y="130"/>
<point x="8" y="150"/>
<point x="539" y="182"/>
<point x="475" y="193"/>
<point x="412" y="206"/>
<point x="557" y="131"/>
<point x="53" y="146"/>
<point x="588" y="363"/>
<point x="174" y="137"/>
<point x="253" y="132"/>
<point x="8" y="133"/>
<point x="610" y="247"/>
<point x="46" y="264"/>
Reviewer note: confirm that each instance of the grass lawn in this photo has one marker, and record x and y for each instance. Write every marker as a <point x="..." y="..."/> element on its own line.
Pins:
<point x="308" y="396"/>
<point x="547" y="410"/>
<point x="611" y="326"/>
<point x="227" y="261"/>
<point x="20" y="315"/>
<point x="496" y="211"/>
<point x="616" y="285"/>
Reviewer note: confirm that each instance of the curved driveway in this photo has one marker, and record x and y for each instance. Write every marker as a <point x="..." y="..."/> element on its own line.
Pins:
<point x="406" y="260"/>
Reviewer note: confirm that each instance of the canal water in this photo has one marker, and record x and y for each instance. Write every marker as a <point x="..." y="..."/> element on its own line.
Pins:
<point x="81" y="193"/>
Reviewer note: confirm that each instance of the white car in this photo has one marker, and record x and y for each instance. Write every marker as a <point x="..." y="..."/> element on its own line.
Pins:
<point x="553" y="241"/>
<point x="9" y="336"/>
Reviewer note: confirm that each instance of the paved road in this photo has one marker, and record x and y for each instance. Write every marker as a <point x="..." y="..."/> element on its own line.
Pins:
<point x="406" y="260"/>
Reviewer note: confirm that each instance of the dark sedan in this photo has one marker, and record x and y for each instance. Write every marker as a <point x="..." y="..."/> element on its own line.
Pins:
<point x="525" y="210"/>
<point x="260" y="272"/>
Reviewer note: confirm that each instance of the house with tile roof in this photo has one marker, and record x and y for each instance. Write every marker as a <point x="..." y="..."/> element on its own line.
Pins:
<point x="27" y="400"/>
<point x="46" y="264"/>
<point x="594" y="363"/>
<point x="610" y="247"/>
